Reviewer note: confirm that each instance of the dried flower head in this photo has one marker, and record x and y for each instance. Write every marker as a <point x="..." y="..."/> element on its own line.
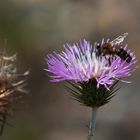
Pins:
<point x="92" y="70"/>
<point x="11" y="88"/>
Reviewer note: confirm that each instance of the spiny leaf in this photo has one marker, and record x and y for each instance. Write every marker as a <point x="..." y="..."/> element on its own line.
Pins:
<point x="88" y="94"/>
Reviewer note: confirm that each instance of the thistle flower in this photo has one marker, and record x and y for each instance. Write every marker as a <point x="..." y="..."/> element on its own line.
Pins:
<point x="11" y="88"/>
<point x="83" y="67"/>
<point x="79" y="63"/>
<point x="93" y="71"/>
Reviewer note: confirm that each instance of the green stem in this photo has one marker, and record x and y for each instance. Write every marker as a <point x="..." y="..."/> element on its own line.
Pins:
<point x="92" y="124"/>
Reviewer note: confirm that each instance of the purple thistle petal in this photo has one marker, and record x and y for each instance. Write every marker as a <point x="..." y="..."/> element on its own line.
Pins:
<point x="79" y="62"/>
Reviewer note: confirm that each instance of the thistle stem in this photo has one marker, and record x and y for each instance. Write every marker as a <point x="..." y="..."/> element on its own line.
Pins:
<point x="92" y="124"/>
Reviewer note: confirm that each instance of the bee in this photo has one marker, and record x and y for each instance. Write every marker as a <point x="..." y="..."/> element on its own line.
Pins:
<point x="114" y="48"/>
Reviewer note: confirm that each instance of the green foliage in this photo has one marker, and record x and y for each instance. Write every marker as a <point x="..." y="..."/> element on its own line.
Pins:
<point x="88" y="94"/>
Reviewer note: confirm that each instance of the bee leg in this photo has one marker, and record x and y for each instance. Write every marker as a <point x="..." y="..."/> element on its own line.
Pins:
<point x="98" y="50"/>
<point x="129" y="58"/>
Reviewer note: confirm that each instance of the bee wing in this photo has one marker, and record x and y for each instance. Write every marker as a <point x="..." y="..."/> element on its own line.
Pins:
<point x="119" y="39"/>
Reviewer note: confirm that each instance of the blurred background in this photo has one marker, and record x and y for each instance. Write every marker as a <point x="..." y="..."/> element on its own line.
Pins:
<point x="34" y="28"/>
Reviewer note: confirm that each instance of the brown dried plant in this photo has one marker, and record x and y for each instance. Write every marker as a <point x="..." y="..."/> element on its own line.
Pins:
<point x="11" y="88"/>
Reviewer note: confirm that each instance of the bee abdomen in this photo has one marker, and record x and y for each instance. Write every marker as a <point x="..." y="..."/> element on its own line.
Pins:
<point x="123" y="54"/>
